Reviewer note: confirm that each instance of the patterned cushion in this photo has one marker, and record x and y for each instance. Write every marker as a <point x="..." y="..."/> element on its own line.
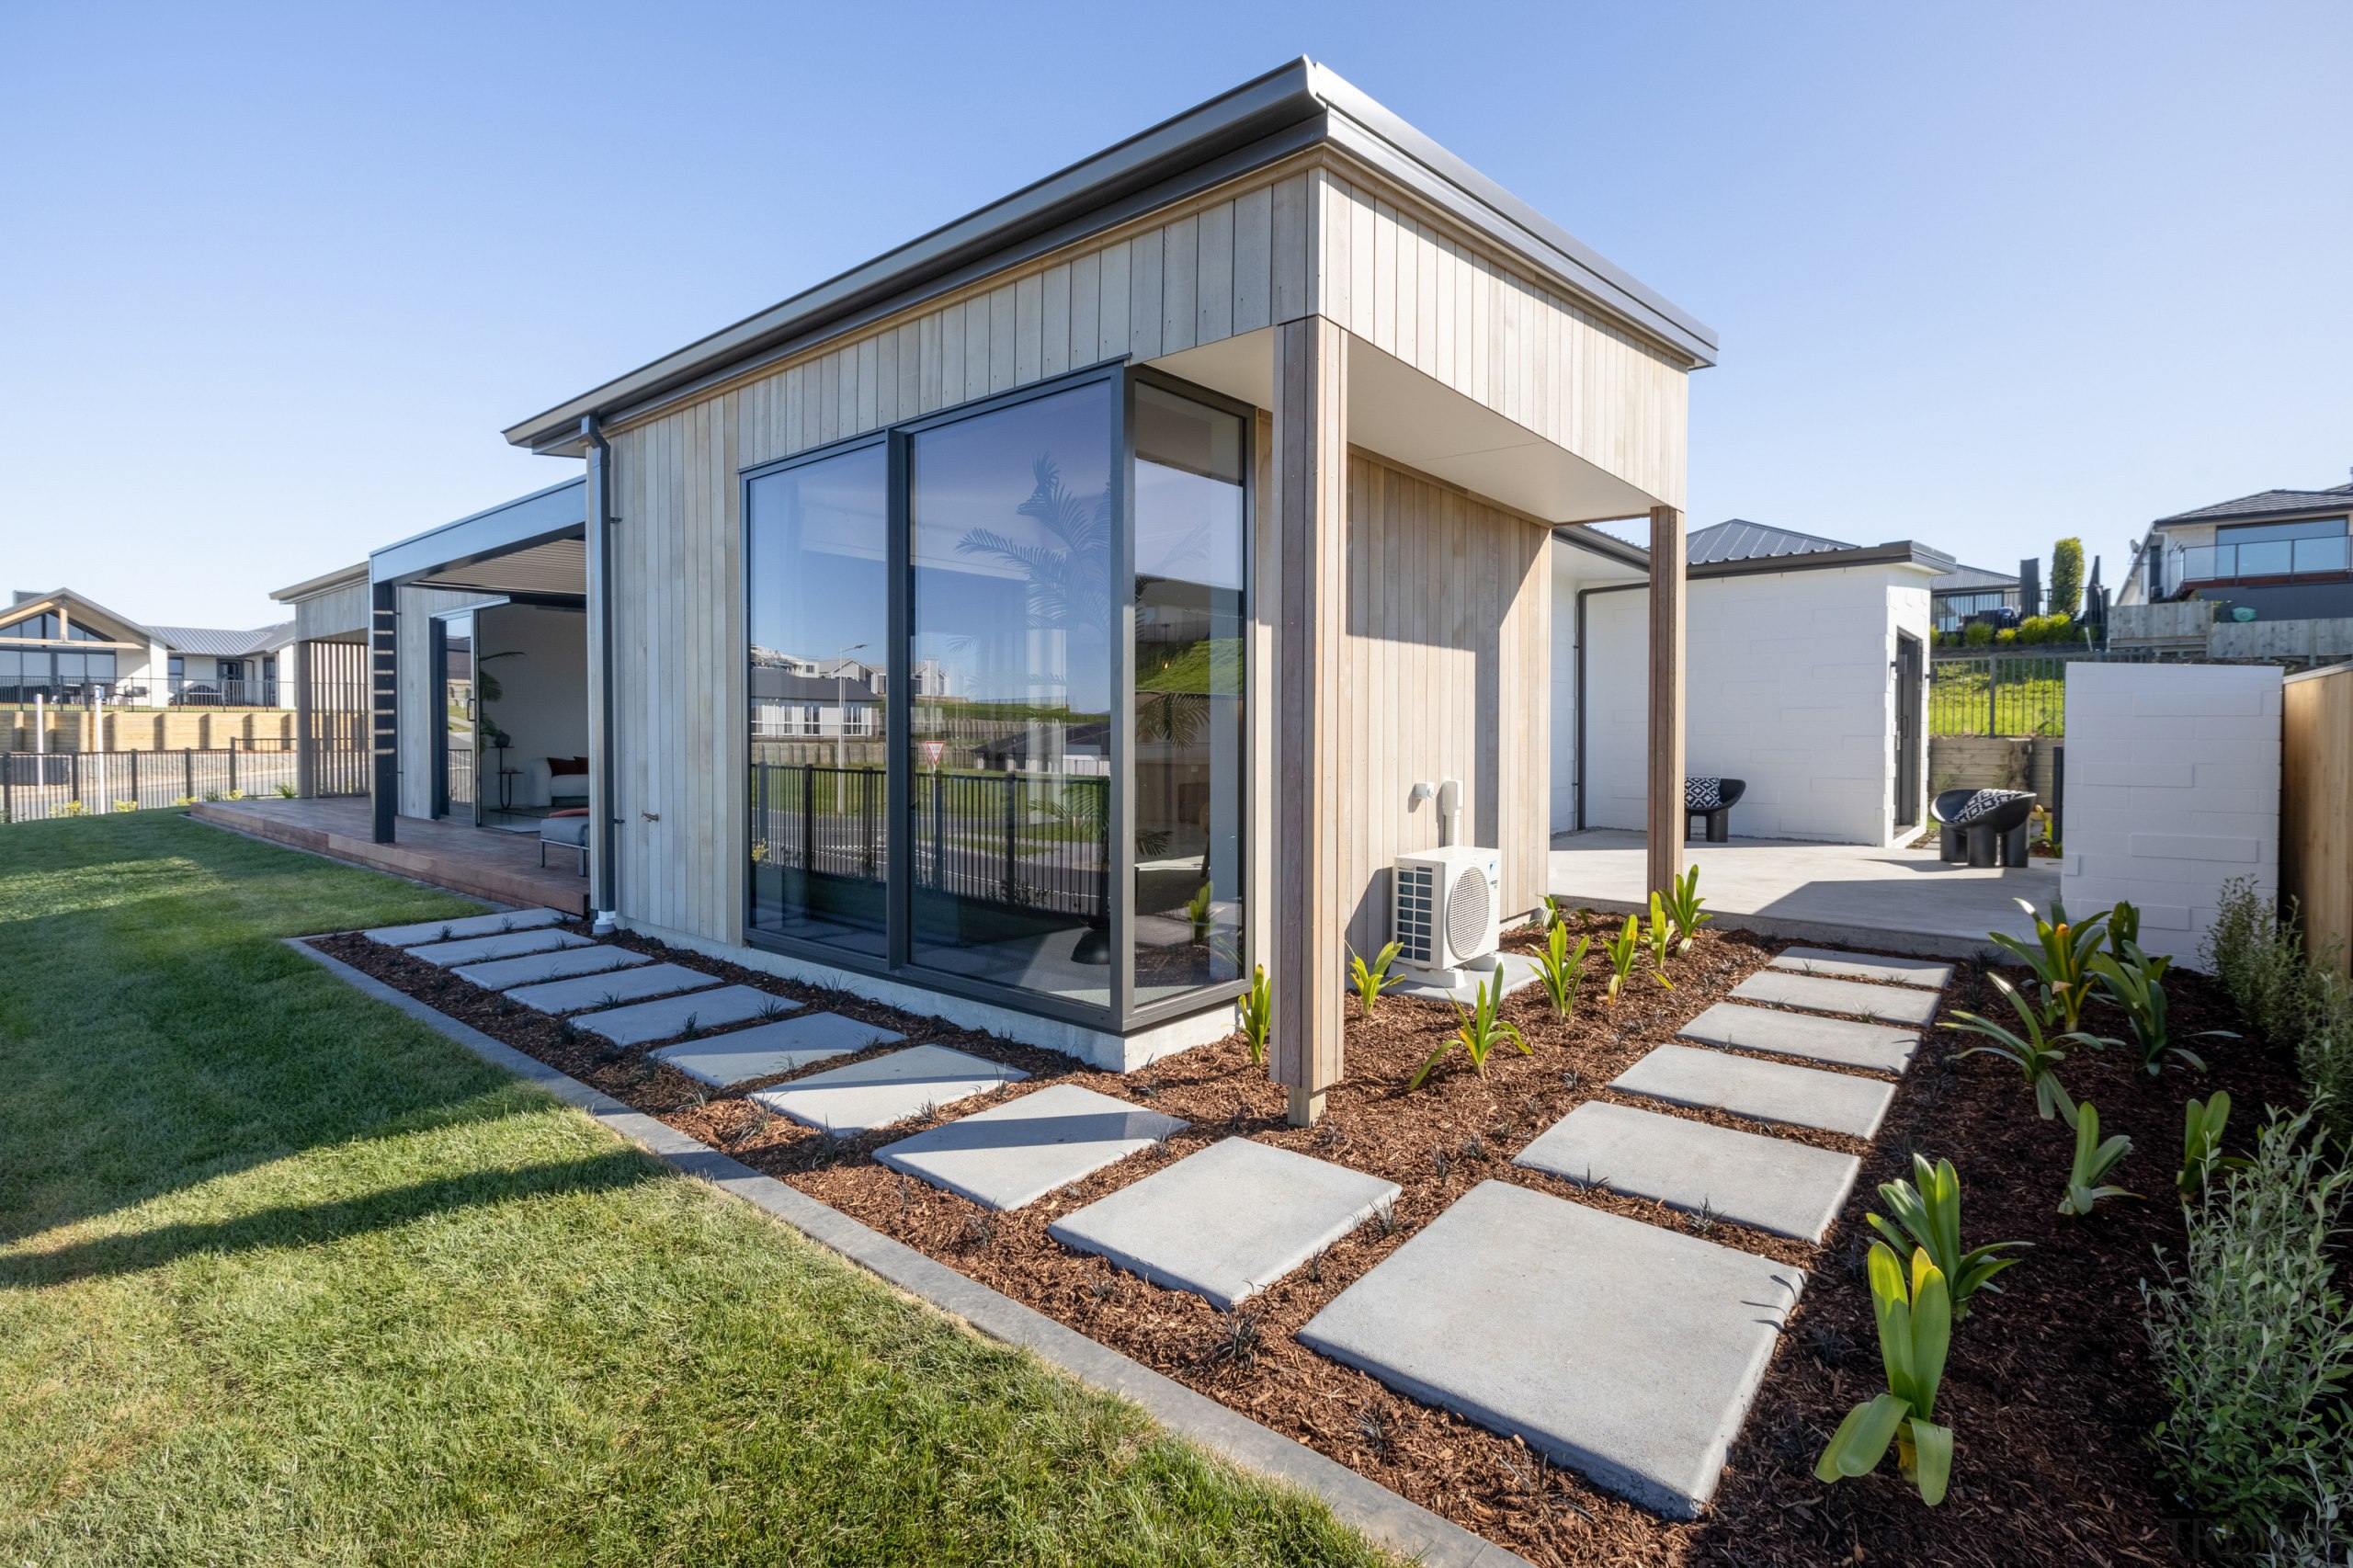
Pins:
<point x="1986" y="801"/>
<point x="1703" y="794"/>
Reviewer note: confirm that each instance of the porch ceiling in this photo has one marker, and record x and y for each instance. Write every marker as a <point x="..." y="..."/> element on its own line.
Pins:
<point x="558" y="567"/>
<point x="1401" y="413"/>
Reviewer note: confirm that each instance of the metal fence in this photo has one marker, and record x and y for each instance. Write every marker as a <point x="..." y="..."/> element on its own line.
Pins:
<point x="35" y="786"/>
<point x="1031" y="841"/>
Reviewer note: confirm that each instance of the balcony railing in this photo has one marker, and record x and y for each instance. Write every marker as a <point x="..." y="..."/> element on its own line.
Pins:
<point x="200" y="691"/>
<point x="2262" y="558"/>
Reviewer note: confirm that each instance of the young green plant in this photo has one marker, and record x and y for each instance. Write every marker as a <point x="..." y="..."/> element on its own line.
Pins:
<point x="1927" y="1210"/>
<point x="1370" y="979"/>
<point x="1479" y="1032"/>
<point x="1915" y="1320"/>
<point x="2135" y="982"/>
<point x="2094" y="1160"/>
<point x="2059" y="960"/>
<point x="1683" y="908"/>
<point x="1662" y="939"/>
<point x="1258" y="1010"/>
<point x="2035" y="1056"/>
<point x="1623" y="949"/>
<point x="1560" y="970"/>
<point x="2201" y="1144"/>
<point x="1196" y="911"/>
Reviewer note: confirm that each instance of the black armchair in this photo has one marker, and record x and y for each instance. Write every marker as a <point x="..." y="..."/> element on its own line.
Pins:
<point x="1711" y="799"/>
<point x="1984" y="827"/>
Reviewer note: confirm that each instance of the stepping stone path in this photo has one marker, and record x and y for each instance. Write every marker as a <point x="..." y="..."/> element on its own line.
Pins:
<point x="513" y="943"/>
<point x="1016" y="1154"/>
<point x="596" y="958"/>
<point x="863" y="1096"/>
<point x="1819" y="993"/>
<point x="1791" y="1190"/>
<point x="787" y="1045"/>
<point x="472" y="926"/>
<point x="1761" y="1091"/>
<point x="673" y="1015"/>
<point x="1927" y="973"/>
<point x="1836" y="1041"/>
<point x="1624" y="1350"/>
<point x="611" y="989"/>
<point x="1227" y="1221"/>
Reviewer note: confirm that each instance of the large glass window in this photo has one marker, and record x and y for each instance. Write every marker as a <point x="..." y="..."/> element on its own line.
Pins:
<point x="819" y="622"/>
<point x="1010" y="544"/>
<point x="1191" y="508"/>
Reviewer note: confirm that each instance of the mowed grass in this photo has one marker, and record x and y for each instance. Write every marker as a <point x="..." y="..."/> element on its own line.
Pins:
<point x="287" y="1278"/>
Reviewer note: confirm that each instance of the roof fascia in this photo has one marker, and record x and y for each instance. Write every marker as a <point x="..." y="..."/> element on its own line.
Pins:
<point x="325" y="582"/>
<point x="561" y="511"/>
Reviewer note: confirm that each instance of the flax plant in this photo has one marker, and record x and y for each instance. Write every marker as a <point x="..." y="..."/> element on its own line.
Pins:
<point x="2060" y="958"/>
<point x="1623" y="949"/>
<point x="1560" y="970"/>
<point x="1479" y="1032"/>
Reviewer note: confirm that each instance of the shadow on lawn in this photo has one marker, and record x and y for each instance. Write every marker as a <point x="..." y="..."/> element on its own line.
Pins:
<point x="315" y="1224"/>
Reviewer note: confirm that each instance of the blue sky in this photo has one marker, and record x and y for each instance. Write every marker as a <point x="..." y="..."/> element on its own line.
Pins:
<point x="275" y="276"/>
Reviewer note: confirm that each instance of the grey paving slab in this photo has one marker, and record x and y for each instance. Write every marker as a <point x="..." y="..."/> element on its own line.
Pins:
<point x="783" y="1045"/>
<point x="1820" y="994"/>
<point x="880" y="1090"/>
<point x="646" y="1022"/>
<point x="1016" y="1154"/>
<point x="1763" y="1091"/>
<point x="1936" y="976"/>
<point x="1840" y="1040"/>
<point x="610" y="988"/>
<point x="1790" y="1188"/>
<point x="1228" y="1220"/>
<point x="471" y="925"/>
<point x="513" y="943"/>
<point x="1625" y="1351"/>
<point x="595" y="958"/>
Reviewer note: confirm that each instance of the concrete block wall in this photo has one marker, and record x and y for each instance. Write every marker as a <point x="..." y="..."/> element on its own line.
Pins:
<point x="2173" y="788"/>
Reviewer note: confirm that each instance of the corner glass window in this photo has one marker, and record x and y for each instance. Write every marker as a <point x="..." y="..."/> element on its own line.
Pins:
<point x="818" y="617"/>
<point x="1191" y="513"/>
<point x="1010" y="541"/>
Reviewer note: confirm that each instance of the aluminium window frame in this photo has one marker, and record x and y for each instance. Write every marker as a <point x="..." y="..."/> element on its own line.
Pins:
<point x="1120" y="1014"/>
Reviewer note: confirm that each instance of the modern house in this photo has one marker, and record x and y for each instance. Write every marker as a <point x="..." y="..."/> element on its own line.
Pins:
<point x="66" y="647"/>
<point x="2282" y="554"/>
<point x="1183" y="512"/>
<point x="1805" y="669"/>
<point x="1967" y="594"/>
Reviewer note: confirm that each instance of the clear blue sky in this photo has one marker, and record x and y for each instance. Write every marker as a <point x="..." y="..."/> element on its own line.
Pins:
<point x="273" y="278"/>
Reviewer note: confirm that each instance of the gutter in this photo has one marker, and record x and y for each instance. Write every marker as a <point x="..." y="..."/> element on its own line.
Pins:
<point x="604" y="822"/>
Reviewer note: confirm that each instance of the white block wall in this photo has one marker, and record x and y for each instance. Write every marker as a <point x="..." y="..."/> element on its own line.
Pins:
<point x="2173" y="788"/>
<point x="1787" y="684"/>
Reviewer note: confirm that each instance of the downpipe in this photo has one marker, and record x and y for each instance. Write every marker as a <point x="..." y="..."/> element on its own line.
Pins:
<point x="600" y="571"/>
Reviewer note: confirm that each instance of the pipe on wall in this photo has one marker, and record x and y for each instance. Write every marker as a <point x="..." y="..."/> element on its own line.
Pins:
<point x="603" y="826"/>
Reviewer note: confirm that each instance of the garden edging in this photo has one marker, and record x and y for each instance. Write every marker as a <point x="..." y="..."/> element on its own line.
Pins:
<point x="1394" y="1522"/>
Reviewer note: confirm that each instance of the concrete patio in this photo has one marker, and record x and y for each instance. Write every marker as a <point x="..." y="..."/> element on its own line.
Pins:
<point x="1901" y="901"/>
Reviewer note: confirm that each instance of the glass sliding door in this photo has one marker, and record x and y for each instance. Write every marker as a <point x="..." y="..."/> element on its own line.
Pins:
<point x="454" y="675"/>
<point x="1011" y="520"/>
<point x="1191" y="512"/>
<point x="818" y="620"/>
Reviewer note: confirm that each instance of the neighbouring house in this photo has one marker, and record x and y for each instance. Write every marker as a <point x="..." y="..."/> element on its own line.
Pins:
<point x="1969" y="594"/>
<point x="1183" y="512"/>
<point x="67" y="648"/>
<point x="1805" y="666"/>
<point x="2280" y="554"/>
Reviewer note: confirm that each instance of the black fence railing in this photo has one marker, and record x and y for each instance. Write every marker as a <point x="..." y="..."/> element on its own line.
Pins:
<point x="1028" y="841"/>
<point x="2009" y="694"/>
<point x="35" y="786"/>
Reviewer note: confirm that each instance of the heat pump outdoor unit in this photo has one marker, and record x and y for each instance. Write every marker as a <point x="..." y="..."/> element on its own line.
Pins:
<point x="1447" y="905"/>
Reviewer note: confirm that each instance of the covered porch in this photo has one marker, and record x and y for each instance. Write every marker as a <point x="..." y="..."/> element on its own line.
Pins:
<point x="483" y="862"/>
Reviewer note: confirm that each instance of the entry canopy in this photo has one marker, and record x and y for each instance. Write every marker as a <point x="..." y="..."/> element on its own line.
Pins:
<point x="534" y="544"/>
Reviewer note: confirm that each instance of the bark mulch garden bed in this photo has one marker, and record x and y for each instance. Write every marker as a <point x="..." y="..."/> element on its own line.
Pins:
<point x="2049" y="1388"/>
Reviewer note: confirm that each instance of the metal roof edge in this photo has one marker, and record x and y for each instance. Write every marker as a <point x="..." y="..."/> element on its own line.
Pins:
<point x="82" y="599"/>
<point x="310" y="587"/>
<point x="542" y="512"/>
<point x="2322" y="506"/>
<point x="1897" y="552"/>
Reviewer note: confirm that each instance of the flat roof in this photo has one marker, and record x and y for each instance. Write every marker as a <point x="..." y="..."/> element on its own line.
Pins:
<point x="559" y="511"/>
<point x="1295" y="106"/>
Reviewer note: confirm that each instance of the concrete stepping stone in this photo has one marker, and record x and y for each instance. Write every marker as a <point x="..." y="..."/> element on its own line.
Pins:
<point x="610" y="988"/>
<point x="471" y="925"/>
<point x="1839" y="1040"/>
<point x="1016" y="1154"/>
<point x="649" y="1021"/>
<point x="1929" y="973"/>
<point x="1820" y="994"/>
<point x="596" y="958"/>
<point x="1227" y="1221"/>
<point x="1791" y="1190"/>
<point x="1625" y="1351"/>
<point x="512" y="944"/>
<point x="786" y="1045"/>
<point x="1762" y="1091"/>
<point x="862" y="1096"/>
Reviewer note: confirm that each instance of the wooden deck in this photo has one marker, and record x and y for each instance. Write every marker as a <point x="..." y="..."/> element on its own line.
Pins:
<point x="501" y="866"/>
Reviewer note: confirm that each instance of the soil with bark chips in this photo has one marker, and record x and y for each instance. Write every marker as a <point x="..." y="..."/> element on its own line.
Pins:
<point x="2048" y="1388"/>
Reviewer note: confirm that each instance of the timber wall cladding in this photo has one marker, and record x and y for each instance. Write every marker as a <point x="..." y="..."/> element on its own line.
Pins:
<point x="2316" y="808"/>
<point x="1446" y="673"/>
<point x="416" y="702"/>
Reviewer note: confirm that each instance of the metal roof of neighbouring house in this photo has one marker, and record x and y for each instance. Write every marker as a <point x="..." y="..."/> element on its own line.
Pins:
<point x="782" y="685"/>
<point x="1737" y="538"/>
<point x="210" y="642"/>
<point x="1966" y="579"/>
<point x="2266" y="503"/>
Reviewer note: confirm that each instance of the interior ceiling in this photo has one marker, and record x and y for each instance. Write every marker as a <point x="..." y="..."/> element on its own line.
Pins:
<point x="1400" y="412"/>
<point x="560" y="566"/>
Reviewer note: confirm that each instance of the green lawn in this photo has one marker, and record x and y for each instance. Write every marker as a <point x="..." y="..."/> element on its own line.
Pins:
<point x="286" y="1278"/>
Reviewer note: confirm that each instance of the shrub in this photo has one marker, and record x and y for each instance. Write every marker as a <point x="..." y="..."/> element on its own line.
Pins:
<point x="1370" y="979"/>
<point x="2136" y="984"/>
<point x="2034" y="1056"/>
<point x="73" y="807"/>
<point x="1914" y="1332"/>
<point x="2259" y="956"/>
<point x="1622" y="948"/>
<point x="2201" y="1144"/>
<point x="2253" y="1344"/>
<point x="1977" y="635"/>
<point x="1683" y="908"/>
<point x="2059" y="960"/>
<point x="1661" y="940"/>
<point x="126" y="805"/>
<point x="286" y="791"/>
<point x="1560" y="970"/>
<point x="2066" y="592"/>
<point x="2325" y="1054"/>
<point x="1258" y="1010"/>
<point x="1480" y="1031"/>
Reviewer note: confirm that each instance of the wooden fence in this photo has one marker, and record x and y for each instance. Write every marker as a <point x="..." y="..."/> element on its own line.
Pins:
<point x="2316" y="805"/>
